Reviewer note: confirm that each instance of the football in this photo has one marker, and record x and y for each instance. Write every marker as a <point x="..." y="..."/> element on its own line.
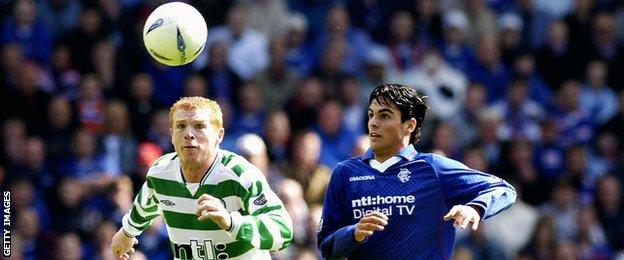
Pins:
<point x="175" y="33"/>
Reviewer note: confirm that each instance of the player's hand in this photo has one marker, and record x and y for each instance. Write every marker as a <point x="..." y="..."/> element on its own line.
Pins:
<point x="371" y="222"/>
<point x="463" y="216"/>
<point x="122" y="245"/>
<point x="209" y="207"/>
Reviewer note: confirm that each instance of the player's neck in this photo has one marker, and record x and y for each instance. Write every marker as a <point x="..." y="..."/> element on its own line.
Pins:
<point x="381" y="155"/>
<point x="194" y="172"/>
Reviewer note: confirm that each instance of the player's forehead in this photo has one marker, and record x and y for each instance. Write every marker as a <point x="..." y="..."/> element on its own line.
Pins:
<point x="383" y="106"/>
<point x="193" y="114"/>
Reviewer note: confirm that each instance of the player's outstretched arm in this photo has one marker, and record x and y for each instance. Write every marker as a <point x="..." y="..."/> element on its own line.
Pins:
<point x="122" y="245"/>
<point x="484" y="193"/>
<point x="140" y="217"/>
<point x="463" y="216"/>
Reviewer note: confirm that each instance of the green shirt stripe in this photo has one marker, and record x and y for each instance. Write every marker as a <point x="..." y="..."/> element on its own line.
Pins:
<point x="266" y="240"/>
<point x="188" y="221"/>
<point x="266" y="209"/>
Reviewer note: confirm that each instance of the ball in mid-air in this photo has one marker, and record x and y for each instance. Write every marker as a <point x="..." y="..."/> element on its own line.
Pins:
<point x="175" y="33"/>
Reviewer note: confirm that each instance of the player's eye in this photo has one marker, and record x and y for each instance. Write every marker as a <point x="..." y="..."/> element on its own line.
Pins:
<point x="370" y="115"/>
<point x="180" y="126"/>
<point x="200" y="126"/>
<point x="385" y="116"/>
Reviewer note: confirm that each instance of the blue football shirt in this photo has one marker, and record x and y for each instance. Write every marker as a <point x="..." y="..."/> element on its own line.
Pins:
<point x="415" y="193"/>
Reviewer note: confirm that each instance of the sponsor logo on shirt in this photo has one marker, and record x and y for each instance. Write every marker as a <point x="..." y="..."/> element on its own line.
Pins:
<point x="261" y="200"/>
<point x="167" y="203"/>
<point x="388" y="205"/>
<point x="404" y="175"/>
<point x="362" y="178"/>
<point x="200" y="249"/>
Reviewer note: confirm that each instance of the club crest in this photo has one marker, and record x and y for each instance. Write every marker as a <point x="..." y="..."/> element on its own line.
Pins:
<point x="404" y="175"/>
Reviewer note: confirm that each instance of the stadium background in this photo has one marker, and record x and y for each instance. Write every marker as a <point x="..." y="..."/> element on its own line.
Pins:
<point x="529" y="90"/>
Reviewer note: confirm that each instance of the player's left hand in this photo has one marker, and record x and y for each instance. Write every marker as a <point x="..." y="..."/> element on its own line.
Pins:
<point x="463" y="215"/>
<point x="209" y="207"/>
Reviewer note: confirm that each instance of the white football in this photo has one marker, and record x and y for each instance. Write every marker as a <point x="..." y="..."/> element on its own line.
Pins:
<point x="175" y="33"/>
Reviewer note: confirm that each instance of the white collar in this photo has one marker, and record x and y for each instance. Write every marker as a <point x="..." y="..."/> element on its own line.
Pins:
<point x="382" y="167"/>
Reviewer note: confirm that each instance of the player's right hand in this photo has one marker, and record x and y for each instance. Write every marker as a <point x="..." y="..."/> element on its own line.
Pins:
<point x="371" y="222"/>
<point x="122" y="245"/>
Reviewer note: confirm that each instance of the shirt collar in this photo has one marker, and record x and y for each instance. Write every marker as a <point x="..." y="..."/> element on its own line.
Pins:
<point x="409" y="152"/>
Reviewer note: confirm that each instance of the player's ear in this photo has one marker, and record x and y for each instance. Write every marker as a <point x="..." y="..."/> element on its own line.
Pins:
<point x="410" y="125"/>
<point x="220" y="135"/>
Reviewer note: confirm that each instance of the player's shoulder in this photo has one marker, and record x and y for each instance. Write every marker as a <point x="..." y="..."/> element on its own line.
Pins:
<point x="164" y="162"/>
<point x="237" y="167"/>
<point x="350" y="166"/>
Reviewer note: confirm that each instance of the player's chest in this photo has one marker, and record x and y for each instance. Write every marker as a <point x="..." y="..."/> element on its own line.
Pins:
<point x="396" y="192"/>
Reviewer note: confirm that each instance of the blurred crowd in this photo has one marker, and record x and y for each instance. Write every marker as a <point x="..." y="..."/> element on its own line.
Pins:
<point x="529" y="90"/>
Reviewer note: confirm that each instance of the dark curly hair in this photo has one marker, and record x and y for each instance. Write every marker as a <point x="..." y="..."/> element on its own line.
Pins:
<point x="410" y="104"/>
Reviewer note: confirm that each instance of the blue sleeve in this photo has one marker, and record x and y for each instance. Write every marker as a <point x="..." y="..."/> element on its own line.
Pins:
<point x="335" y="236"/>
<point x="466" y="186"/>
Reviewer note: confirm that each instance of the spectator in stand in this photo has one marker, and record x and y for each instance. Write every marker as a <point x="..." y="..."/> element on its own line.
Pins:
<point x="253" y="148"/>
<point x="31" y="33"/>
<point x="590" y="236"/>
<point x="66" y="77"/>
<point x="247" y="48"/>
<point x="536" y="23"/>
<point x="222" y="81"/>
<point x="466" y="121"/>
<point x="159" y="130"/>
<point x="376" y="70"/>
<point x="36" y="168"/>
<point x="195" y="86"/>
<point x="556" y="60"/>
<point x="141" y="104"/>
<point x="81" y="39"/>
<point x="510" y="30"/>
<point x="352" y="106"/>
<point x="336" y="138"/>
<point x="302" y="107"/>
<point x="575" y="124"/>
<point x="90" y="104"/>
<point x="60" y="15"/>
<point x="481" y="21"/>
<point x="299" y="53"/>
<point x="599" y="100"/>
<point x="454" y="47"/>
<point x="277" y="83"/>
<point x="277" y="135"/>
<point x="338" y="28"/>
<point x="13" y="143"/>
<point x="488" y="69"/>
<point x="250" y="113"/>
<point x="563" y="208"/>
<point x="524" y="67"/>
<point x="68" y="246"/>
<point x="521" y="115"/>
<point x="28" y="100"/>
<point x="604" y="46"/>
<point x="267" y="17"/>
<point x="579" y="22"/>
<point x="548" y="153"/>
<point x="543" y="240"/>
<point x="116" y="141"/>
<point x="444" y="86"/>
<point x="406" y="50"/>
<point x="305" y="168"/>
<point x="60" y="125"/>
<point x="610" y="210"/>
